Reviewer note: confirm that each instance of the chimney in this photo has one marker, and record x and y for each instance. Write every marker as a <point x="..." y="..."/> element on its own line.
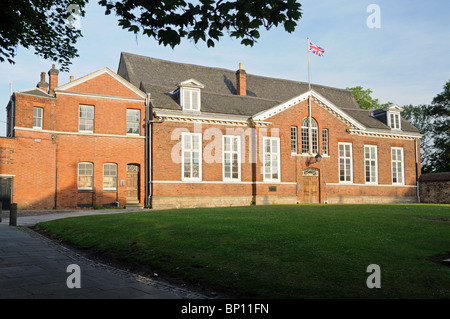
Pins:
<point x="241" y="81"/>
<point x="42" y="84"/>
<point x="71" y="78"/>
<point x="53" y="79"/>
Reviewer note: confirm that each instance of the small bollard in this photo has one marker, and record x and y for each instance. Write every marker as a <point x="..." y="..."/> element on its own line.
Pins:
<point x="13" y="215"/>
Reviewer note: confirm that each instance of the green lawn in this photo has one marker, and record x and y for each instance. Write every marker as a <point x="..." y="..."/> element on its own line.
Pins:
<point x="282" y="251"/>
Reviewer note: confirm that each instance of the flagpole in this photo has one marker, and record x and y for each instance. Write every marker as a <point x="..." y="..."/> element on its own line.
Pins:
<point x="309" y="104"/>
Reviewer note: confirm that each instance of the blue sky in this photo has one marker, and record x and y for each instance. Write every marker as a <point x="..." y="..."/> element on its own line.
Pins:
<point x="405" y="61"/>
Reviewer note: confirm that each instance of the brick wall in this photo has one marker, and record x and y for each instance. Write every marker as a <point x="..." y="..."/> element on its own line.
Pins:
<point x="45" y="162"/>
<point x="168" y="190"/>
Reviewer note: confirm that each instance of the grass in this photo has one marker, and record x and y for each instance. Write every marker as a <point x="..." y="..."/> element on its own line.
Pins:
<point x="285" y="251"/>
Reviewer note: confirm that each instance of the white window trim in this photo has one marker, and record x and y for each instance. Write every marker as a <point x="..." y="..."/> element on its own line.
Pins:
<point x="264" y="161"/>
<point x="109" y="188"/>
<point x="79" y="118"/>
<point x="183" y="136"/>
<point x="184" y="91"/>
<point x="41" y="118"/>
<point x="78" y="177"/>
<point x="134" y="134"/>
<point x="327" y="142"/>
<point x="396" y="114"/>
<point x="403" y="167"/>
<point x="376" y="164"/>
<point x="231" y="179"/>
<point x="351" y="164"/>
<point x="296" y="140"/>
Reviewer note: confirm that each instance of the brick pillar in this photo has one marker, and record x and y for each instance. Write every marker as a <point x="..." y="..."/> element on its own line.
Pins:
<point x="241" y="81"/>
<point x="42" y="84"/>
<point x="53" y="79"/>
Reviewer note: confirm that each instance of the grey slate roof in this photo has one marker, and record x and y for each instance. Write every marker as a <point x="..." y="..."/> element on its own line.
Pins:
<point x="160" y="77"/>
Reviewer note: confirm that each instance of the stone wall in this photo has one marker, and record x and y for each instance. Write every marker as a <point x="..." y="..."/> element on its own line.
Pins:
<point x="435" y="188"/>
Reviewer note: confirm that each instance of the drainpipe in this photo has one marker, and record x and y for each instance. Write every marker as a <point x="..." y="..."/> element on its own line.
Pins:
<point x="147" y="148"/>
<point x="148" y="151"/>
<point x="417" y="147"/>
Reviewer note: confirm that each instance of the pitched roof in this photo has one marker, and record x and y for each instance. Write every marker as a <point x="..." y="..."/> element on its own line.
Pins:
<point x="160" y="78"/>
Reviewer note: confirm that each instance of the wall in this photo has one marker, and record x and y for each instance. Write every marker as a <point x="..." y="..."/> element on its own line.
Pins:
<point x="435" y="188"/>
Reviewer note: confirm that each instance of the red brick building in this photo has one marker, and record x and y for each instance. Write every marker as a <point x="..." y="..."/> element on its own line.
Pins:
<point x="215" y="137"/>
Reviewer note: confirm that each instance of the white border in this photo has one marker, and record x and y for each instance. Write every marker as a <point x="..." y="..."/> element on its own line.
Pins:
<point x="269" y="180"/>
<point x="231" y="179"/>
<point x="376" y="164"/>
<point x="351" y="163"/>
<point x="199" y="178"/>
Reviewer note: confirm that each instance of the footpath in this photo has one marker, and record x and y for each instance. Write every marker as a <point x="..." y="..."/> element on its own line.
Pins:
<point x="35" y="267"/>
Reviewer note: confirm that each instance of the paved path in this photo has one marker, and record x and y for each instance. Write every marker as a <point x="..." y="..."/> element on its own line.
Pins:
<point x="34" y="267"/>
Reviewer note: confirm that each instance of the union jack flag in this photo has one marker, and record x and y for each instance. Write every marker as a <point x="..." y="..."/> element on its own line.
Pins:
<point x="316" y="49"/>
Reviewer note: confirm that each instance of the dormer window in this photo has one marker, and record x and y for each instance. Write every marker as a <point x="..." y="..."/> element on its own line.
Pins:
<point x="190" y="95"/>
<point x="393" y="117"/>
<point x="394" y="120"/>
<point x="190" y="99"/>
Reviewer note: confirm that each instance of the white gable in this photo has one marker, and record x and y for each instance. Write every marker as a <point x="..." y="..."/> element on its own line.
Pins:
<point x="303" y="97"/>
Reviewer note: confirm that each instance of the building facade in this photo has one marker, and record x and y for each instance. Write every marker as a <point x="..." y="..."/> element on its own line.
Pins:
<point x="166" y="134"/>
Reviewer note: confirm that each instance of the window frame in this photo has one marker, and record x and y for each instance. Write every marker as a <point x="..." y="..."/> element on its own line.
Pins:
<point x="86" y="118"/>
<point x="138" y="122"/>
<point x="271" y="179"/>
<point x="185" y="135"/>
<point x="231" y="152"/>
<point x="402" y="162"/>
<point x="375" y="147"/>
<point x="315" y="135"/>
<point x="294" y="139"/>
<point x="115" y="183"/>
<point x="80" y="188"/>
<point x="325" y="142"/>
<point x="190" y="107"/>
<point x="345" y="158"/>
<point x="396" y="123"/>
<point x="41" y="118"/>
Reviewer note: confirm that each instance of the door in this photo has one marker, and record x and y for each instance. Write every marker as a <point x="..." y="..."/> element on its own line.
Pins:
<point x="132" y="183"/>
<point x="311" y="186"/>
<point x="6" y="192"/>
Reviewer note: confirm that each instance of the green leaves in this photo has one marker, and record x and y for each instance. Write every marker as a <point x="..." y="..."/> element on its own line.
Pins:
<point x="364" y="99"/>
<point x="169" y="21"/>
<point x="41" y="25"/>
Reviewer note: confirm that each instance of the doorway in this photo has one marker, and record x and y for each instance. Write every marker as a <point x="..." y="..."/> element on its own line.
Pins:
<point x="6" y="192"/>
<point x="132" y="183"/>
<point x="311" y="186"/>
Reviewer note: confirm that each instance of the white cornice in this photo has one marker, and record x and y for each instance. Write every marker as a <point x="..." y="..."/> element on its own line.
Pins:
<point x="401" y="136"/>
<point x="208" y="119"/>
<point x="76" y="133"/>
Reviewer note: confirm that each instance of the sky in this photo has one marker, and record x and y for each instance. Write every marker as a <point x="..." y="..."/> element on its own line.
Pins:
<point x="400" y="50"/>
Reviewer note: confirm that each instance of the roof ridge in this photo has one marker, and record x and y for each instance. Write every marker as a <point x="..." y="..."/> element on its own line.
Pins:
<point x="229" y="70"/>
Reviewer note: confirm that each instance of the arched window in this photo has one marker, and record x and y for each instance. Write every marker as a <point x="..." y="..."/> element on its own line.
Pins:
<point x="305" y="136"/>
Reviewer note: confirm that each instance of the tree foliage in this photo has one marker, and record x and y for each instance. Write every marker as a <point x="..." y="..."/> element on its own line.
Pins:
<point x="364" y="99"/>
<point x="439" y="111"/>
<point x="433" y="122"/>
<point x="168" y="21"/>
<point x="39" y="24"/>
<point x="43" y="24"/>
